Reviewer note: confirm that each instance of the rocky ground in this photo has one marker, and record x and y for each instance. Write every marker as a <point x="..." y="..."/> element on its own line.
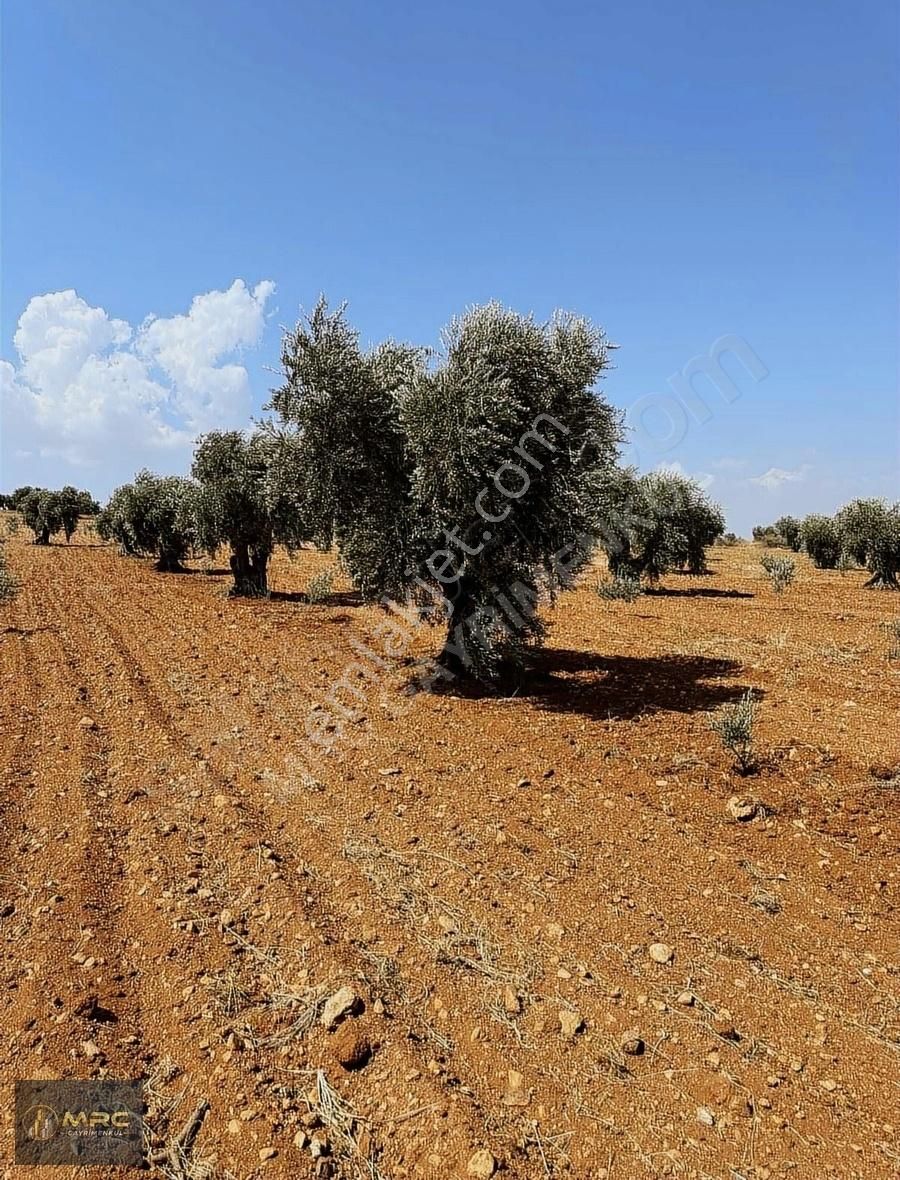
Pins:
<point x="552" y="934"/>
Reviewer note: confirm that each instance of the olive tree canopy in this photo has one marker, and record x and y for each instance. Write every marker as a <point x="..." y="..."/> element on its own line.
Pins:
<point x="245" y="501"/>
<point x="465" y="479"/>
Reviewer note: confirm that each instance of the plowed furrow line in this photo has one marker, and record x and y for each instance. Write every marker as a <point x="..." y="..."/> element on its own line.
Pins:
<point x="259" y="829"/>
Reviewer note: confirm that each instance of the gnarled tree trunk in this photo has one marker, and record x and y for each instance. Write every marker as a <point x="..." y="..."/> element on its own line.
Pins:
<point x="169" y="562"/>
<point x="454" y="660"/>
<point x="250" y="570"/>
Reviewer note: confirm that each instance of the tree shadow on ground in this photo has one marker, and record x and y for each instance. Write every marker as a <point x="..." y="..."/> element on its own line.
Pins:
<point x="618" y="687"/>
<point x="696" y="592"/>
<point x="338" y="598"/>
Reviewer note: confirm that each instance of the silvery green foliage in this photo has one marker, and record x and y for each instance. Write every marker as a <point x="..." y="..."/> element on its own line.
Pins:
<point x="466" y="480"/>
<point x="155" y="515"/>
<point x="352" y="457"/>
<point x="250" y="498"/>
<point x="623" y="587"/>
<point x="788" y="528"/>
<point x="734" y="725"/>
<point x="47" y="512"/>
<point x="41" y="511"/>
<point x="869" y="531"/>
<point x="114" y="520"/>
<point x="652" y="523"/>
<point x="320" y="587"/>
<point x="780" y="571"/>
<point x="821" y="540"/>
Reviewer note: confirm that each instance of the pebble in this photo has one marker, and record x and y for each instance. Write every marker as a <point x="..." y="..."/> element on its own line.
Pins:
<point x="686" y="999"/>
<point x="632" y="1042"/>
<point x="661" y="952"/>
<point x="90" y="1050"/>
<point x="87" y="723"/>
<point x="515" y="1094"/>
<point x="481" y="1165"/>
<point x="338" y="1006"/>
<point x="570" y="1023"/>
<point x="351" y="1047"/>
<point x="706" y="1116"/>
<point x="267" y="1153"/>
<point x="724" y="1027"/>
<point x="511" y="1002"/>
<point x="741" y="808"/>
<point x="319" y="1145"/>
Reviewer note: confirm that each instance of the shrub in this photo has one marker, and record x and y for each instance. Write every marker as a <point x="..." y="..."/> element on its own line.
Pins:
<point x="9" y="587"/>
<point x="320" y="587"/>
<point x="821" y="540"/>
<point x="788" y="528"/>
<point x="892" y="629"/>
<point x="869" y="531"/>
<point x="734" y="725"/>
<point x="12" y="524"/>
<point x="623" y="587"/>
<point x="780" y="571"/>
<point x="469" y="484"/>
<point x="728" y="539"/>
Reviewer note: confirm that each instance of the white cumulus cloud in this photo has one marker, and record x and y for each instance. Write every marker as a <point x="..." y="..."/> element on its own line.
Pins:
<point x="772" y="479"/>
<point x="90" y="391"/>
<point x="702" y="479"/>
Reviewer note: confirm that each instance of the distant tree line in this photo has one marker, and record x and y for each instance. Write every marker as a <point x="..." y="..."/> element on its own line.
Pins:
<point x="865" y="532"/>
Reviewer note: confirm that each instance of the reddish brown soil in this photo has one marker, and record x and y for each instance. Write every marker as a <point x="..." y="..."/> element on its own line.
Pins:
<point x="471" y="867"/>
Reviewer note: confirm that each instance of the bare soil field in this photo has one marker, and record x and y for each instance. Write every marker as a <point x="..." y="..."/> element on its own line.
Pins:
<point x="183" y="889"/>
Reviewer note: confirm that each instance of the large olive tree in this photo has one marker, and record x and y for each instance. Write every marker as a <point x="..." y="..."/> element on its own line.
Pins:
<point x="465" y="480"/>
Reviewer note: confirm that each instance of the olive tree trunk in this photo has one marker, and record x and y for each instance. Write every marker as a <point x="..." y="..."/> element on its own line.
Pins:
<point x="250" y="570"/>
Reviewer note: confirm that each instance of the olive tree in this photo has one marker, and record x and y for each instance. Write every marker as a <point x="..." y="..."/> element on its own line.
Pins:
<point x="245" y="500"/>
<point x="155" y="515"/>
<point x="114" y="522"/>
<point x="652" y="523"/>
<point x="50" y="512"/>
<point x="788" y="528"/>
<point x="869" y="531"/>
<point x="42" y="512"/>
<point x="465" y="480"/>
<point x="821" y="540"/>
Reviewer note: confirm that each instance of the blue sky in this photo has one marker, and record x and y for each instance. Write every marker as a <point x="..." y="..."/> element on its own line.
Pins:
<point x="679" y="173"/>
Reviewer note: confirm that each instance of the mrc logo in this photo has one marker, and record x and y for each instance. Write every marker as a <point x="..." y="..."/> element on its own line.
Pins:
<point x="81" y="1123"/>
